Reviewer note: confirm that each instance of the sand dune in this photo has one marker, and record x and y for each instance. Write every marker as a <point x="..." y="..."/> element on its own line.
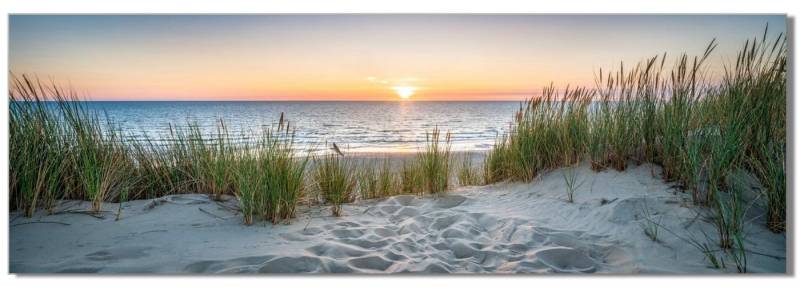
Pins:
<point x="502" y="228"/>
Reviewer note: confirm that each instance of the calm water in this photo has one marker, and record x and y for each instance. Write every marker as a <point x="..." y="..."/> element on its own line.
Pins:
<point x="356" y="126"/>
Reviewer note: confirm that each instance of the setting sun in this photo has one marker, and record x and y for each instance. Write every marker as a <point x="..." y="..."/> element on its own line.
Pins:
<point x="404" y="92"/>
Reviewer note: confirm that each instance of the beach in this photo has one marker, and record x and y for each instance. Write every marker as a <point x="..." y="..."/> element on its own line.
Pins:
<point x="445" y="155"/>
<point x="499" y="228"/>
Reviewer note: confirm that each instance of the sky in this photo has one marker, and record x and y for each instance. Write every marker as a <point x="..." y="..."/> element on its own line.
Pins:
<point x="355" y="57"/>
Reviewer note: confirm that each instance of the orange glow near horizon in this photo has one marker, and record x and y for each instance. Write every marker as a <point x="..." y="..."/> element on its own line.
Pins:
<point x="353" y="57"/>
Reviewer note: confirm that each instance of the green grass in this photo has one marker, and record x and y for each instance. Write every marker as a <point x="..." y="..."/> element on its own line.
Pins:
<point x="468" y="174"/>
<point x="368" y="182"/>
<point x="65" y="151"/>
<point x="206" y="161"/>
<point x="100" y="163"/>
<point x="59" y="150"/>
<point x="770" y="166"/>
<point x="251" y="188"/>
<point x="62" y="150"/>
<point x="37" y="140"/>
<point x="549" y="131"/>
<point x="377" y="181"/>
<point x="494" y="164"/>
<point x="434" y="163"/>
<point x="411" y="178"/>
<point x="699" y="127"/>
<point x="651" y="225"/>
<point x="335" y="180"/>
<point x="571" y="180"/>
<point x="268" y="177"/>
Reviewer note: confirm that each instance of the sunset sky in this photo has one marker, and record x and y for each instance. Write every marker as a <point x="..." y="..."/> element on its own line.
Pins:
<point x="354" y="57"/>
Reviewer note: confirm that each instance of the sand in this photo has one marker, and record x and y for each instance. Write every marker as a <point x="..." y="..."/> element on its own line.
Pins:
<point x="501" y="228"/>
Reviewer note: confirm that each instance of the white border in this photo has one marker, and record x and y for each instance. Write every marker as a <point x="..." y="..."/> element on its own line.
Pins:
<point x="366" y="6"/>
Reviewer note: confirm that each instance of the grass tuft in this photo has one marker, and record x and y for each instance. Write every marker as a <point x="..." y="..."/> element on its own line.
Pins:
<point x="434" y="163"/>
<point x="377" y="181"/>
<point x="268" y="177"/>
<point x="651" y="224"/>
<point x="570" y="176"/>
<point x="335" y="180"/>
<point x="468" y="174"/>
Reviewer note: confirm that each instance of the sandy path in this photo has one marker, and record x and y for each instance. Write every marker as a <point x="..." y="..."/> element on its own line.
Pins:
<point x="502" y="228"/>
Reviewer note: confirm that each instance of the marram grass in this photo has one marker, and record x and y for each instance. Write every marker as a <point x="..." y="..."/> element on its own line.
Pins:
<point x="699" y="127"/>
<point x="377" y="181"/>
<point x="434" y="163"/>
<point x="335" y="180"/>
<point x="268" y="177"/>
<point x="468" y="174"/>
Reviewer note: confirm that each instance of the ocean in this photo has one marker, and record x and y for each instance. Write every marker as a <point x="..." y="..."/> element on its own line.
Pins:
<point x="354" y="126"/>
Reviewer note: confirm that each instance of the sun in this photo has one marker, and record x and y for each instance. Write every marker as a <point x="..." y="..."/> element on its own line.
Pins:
<point x="404" y="92"/>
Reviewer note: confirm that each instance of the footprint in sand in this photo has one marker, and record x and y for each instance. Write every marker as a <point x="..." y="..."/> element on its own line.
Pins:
<point x="449" y="201"/>
<point x="118" y="254"/>
<point x="429" y="236"/>
<point x="565" y="260"/>
<point x="292" y="264"/>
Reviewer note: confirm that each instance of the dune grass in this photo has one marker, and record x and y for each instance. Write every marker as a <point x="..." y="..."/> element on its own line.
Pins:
<point x="429" y="171"/>
<point x="494" y="164"/>
<point x="65" y="151"/>
<point x="468" y="174"/>
<point x="59" y="150"/>
<point x="547" y="133"/>
<point x="37" y="164"/>
<point x="411" y="178"/>
<point x="206" y="160"/>
<point x="335" y="180"/>
<point x="651" y="225"/>
<point x="699" y="127"/>
<point x="62" y="150"/>
<point x="770" y="167"/>
<point x="434" y="163"/>
<point x="368" y="182"/>
<point x="268" y="178"/>
<point x="377" y="181"/>
<point x="572" y="182"/>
